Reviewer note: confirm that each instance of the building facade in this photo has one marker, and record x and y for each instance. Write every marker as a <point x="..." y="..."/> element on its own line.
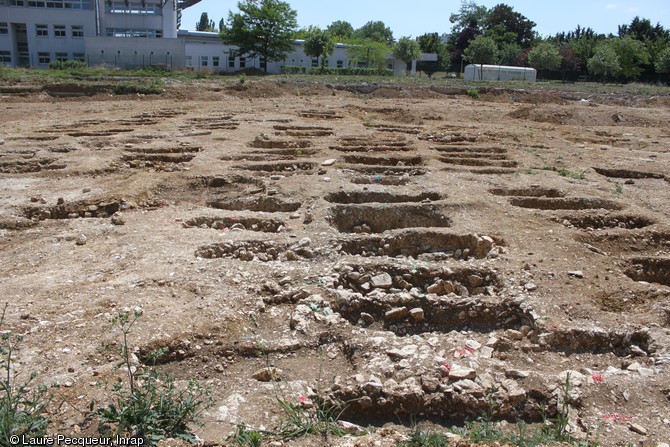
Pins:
<point x="35" y="32"/>
<point x="129" y="34"/>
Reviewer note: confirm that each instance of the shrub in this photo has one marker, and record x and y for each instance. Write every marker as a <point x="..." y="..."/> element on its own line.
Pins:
<point x="67" y="65"/>
<point x="473" y="93"/>
<point x="138" y="87"/>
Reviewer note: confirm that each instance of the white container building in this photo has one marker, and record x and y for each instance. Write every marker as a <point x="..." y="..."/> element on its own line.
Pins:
<point x="477" y="72"/>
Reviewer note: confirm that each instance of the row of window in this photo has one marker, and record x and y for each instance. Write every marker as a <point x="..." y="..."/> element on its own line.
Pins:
<point x="4" y="28"/>
<point x="5" y="57"/>
<point x="126" y="32"/>
<point x="203" y="61"/>
<point x="56" y="4"/>
<point x="44" y="58"/>
<point x="76" y="31"/>
<point x="125" y="7"/>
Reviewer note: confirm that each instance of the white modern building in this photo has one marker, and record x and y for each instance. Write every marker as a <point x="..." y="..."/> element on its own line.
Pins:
<point x="477" y="72"/>
<point x="35" y="32"/>
<point x="129" y="34"/>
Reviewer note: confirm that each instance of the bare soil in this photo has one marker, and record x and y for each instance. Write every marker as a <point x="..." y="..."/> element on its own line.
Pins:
<point x="438" y="253"/>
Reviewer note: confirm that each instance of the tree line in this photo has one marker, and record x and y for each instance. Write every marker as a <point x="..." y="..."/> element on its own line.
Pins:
<point x="480" y="35"/>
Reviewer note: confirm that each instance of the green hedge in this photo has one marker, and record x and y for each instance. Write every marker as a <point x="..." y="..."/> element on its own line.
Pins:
<point x="67" y="65"/>
<point x="345" y="71"/>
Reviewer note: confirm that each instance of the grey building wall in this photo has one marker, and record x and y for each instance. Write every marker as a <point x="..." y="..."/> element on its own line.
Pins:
<point x="135" y="52"/>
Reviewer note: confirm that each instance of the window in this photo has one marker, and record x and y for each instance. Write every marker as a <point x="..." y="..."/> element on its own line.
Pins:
<point x="126" y="7"/>
<point x="78" y="57"/>
<point x="263" y="63"/>
<point x="124" y="32"/>
<point x="16" y="3"/>
<point x="77" y="31"/>
<point x="315" y="62"/>
<point x="188" y="61"/>
<point x="4" y="29"/>
<point x="5" y="57"/>
<point x="243" y="62"/>
<point x="54" y="4"/>
<point x="231" y="61"/>
<point x="61" y="57"/>
<point x="215" y="61"/>
<point x="59" y="30"/>
<point x="42" y="30"/>
<point x="43" y="58"/>
<point x="204" y="61"/>
<point x="340" y="64"/>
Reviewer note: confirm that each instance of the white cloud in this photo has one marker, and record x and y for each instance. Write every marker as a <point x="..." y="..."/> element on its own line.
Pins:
<point x="633" y="9"/>
<point x="611" y="6"/>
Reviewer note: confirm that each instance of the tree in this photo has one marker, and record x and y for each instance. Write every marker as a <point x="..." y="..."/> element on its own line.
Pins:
<point x="604" y="62"/>
<point x="544" y="56"/>
<point x="222" y="25"/>
<point x="262" y="27"/>
<point x="204" y="24"/>
<point x="376" y="31"/>
<point x="470" y="15"/>
<point x="432" y="43"/>
<point x="482" y="50"/>
<point x="341" y="30"/>
<point x="569" y="60"/>
<point x="663" y="61"/>
<point x="632" y="55"/>
<point x="503" y="17"/>
<point x="407" y="50"/>
<point x="642" y="30"/>
<point x="319" y="44"/>
<point x="509" y="54"/>
<point x="459" y="42"/>
<point x="368" y="52"/>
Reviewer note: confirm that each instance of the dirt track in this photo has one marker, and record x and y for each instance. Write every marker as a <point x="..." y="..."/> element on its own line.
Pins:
<point x="437" y="253"/>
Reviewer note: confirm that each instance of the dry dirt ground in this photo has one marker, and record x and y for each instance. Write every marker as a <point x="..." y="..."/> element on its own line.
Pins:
<point x="408" y="250"/>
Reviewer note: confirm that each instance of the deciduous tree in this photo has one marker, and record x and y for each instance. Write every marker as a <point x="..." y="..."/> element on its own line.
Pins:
<point x="376" y="31"/>
<point x="262" y="28"/>
<point x="319" y="44"/>
<point x="544" y="56"/>
<point x="604" y="62"/>
<point x="407" y="50"/>
<point x="341" y="30"/>
<point x="482" y="50"/>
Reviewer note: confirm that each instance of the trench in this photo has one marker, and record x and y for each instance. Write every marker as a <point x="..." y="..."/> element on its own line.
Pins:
<point x="381" y="217"/>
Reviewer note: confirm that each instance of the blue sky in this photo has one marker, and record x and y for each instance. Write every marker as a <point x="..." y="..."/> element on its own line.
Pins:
<point x="413" y="18"/>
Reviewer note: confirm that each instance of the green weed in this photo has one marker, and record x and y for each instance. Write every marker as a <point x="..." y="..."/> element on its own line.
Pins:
<point x="572" y="174"/>
<point x="247" y="438"/>
<point x="149" y="404"/>
<point x="22" y="406"/>
<point x="420" y="438"/>
<point x="473" y="93"/>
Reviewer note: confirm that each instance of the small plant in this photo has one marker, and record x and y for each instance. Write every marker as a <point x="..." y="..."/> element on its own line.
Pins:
<point x="301" y="420"/>
<point x="559" y="428"/>
<point x="619" y="189"/>
<point x="149" y="404"/>
<point x="242" y="79"/>
<point x="572" y="174"/>
<point x="473" y="93"/>
<point x="247" y="438"/>
<point x="420" y="438"/>
<point x="317" y="416"/>
<point x="22" y="407"/>
<point x="298" y="152"/>
<point x="137" y="87"/>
